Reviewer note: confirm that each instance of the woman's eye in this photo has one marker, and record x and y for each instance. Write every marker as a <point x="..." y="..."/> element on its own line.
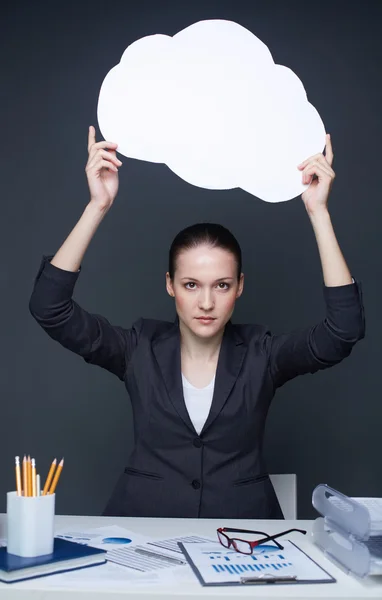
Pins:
<point x="190" y="283"/>
<point x="223" y="283"/>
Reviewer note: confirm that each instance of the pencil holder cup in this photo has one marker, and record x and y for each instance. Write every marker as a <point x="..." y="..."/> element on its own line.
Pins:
<point x="30" y="524"/>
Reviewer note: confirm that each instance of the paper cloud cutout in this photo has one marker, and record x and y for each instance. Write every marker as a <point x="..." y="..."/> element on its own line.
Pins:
<point x="212" y="105"/>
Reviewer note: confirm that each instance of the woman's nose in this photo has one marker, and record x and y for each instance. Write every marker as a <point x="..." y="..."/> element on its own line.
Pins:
<point x="206" y="301"/>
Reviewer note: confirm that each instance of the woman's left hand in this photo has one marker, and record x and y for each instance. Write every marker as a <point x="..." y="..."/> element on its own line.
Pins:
<point x="317" y="171"/>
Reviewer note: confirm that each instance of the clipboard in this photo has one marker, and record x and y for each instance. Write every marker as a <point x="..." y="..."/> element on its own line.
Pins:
<point x="215" y="565"/>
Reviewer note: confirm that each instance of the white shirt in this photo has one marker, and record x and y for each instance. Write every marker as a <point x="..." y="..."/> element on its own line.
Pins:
<point x="198" y="402"/>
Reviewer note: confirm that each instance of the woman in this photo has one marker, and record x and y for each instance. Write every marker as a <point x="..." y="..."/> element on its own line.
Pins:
<point x="200" y="387"/>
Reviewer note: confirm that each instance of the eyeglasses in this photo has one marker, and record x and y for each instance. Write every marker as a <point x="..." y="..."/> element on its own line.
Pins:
<point x="246" y="547"/>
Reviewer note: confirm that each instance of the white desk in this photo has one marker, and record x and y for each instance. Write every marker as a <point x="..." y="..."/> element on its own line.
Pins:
<point x="347" y="587"/>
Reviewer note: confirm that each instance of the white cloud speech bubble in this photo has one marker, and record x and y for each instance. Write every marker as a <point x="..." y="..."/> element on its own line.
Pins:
<point x="212" y="105"/>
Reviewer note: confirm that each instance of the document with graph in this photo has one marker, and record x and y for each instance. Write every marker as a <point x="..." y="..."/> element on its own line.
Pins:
<point x="215" y="565"/>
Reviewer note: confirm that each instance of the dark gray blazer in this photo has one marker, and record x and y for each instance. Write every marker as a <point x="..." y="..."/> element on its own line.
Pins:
<point x="173" y="471"/>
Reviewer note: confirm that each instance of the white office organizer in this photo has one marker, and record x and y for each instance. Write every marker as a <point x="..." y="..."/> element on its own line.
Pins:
<point x="361" y="517"/>
<point x="349" y="530"/>
<point x="358" y="557"/>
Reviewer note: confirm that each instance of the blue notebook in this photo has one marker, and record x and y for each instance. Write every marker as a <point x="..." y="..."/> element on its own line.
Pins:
<point x="66" y="556"/>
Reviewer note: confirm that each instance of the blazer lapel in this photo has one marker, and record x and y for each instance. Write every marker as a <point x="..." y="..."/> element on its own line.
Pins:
<point x="166" y="349"/>
<point x="231" y="356"/>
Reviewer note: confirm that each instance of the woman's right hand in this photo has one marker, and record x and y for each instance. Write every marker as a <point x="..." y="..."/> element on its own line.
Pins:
<point x="102" y="171"/>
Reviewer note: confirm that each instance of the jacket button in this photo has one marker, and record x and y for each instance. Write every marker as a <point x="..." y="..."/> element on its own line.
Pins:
<point x="196" y="484"/>
<point x="198" y="443"/>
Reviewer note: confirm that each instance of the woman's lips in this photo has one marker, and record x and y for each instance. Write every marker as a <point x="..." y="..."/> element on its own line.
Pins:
<point x="205" y="320"/>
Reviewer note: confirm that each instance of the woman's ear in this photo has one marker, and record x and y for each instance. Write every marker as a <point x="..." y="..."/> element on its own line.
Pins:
<point x="241" y="286"/>
<point x="169" y="287"/>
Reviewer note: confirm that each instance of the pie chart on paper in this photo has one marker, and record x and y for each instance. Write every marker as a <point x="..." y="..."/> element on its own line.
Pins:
<point x="116" y="540"/>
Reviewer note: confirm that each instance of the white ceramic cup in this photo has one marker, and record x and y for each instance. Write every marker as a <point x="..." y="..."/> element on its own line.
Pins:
<point x="30" y="524"/>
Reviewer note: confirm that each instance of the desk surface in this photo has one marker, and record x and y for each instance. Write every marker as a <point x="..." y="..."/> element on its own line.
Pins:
<point x="347" y="587"/>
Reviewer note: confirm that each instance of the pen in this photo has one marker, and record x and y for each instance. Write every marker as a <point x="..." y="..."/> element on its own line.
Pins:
<point x="18" y="476"/>
<point x="49" y="478"/>
<point x="56" y="477"/>
<point x="150" y="554"/>
<point x="38" y="485"/>
<point x="33" y="471"/>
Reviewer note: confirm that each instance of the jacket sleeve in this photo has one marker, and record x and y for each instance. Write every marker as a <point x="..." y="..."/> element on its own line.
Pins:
<point x="323" y="345"/>
<point x="88" y="335"/>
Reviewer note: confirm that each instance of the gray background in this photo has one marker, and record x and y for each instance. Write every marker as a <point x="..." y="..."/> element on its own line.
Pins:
<point x="324" y="427"/>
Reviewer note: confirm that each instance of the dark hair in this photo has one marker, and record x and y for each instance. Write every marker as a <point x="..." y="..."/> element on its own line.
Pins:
<point x="211" y="234"/>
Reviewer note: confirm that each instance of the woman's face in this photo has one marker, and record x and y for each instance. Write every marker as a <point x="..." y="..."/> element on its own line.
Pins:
<point x="205" y="285"/>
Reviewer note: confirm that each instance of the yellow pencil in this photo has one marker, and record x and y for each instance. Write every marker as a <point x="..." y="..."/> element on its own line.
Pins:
<point x="49" y="478"/>
<point x="25" y="476"/>
<point x="18" y="476"/>
<point x="29" y="470"/>
<point x="34" y="477"/>
<point x="56" y="477"/>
